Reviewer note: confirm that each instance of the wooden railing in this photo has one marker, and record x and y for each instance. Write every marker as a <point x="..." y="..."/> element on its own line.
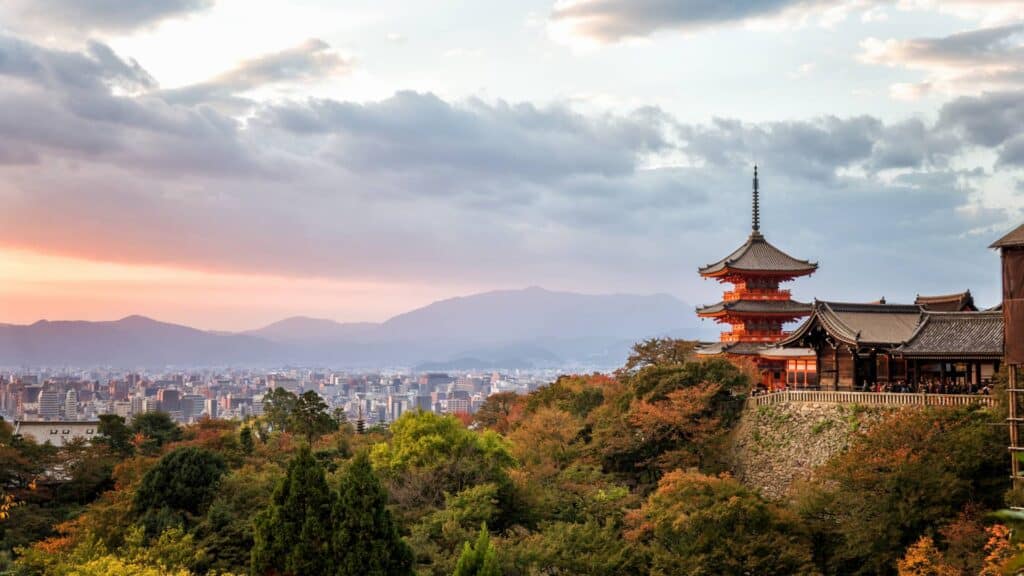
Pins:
<point x="876" y="398"/>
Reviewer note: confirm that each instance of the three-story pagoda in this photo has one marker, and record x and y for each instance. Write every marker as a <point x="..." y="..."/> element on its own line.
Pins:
<point x="756" y="308"/>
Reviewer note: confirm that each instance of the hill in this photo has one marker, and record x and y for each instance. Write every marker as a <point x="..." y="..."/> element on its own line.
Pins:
<point x="502" y="329"/>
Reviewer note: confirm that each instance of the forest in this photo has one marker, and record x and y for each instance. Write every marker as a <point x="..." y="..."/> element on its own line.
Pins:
<point x="591" y="475"/>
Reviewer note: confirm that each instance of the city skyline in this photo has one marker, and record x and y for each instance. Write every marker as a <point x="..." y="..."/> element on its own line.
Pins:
<point x="228" y="164"/>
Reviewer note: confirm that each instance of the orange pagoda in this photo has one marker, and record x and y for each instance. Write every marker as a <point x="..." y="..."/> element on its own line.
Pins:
<point x="756" y="308"/>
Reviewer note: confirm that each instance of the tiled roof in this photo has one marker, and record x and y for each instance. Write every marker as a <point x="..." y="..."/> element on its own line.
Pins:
<point x="758" y="307"/>
<point x="857" y="324"/>
<point x="1014" y="238"/>
<point x="757" y="255"/>
<point x="957" y="335"/>
<point x="959" y="302"/>
<point x="740" y="348"/>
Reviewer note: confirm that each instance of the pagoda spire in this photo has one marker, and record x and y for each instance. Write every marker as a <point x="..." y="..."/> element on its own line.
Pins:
<point x="757" y="206"/>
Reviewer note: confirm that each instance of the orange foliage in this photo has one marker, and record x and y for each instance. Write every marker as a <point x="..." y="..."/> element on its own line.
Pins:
<point x="924" y="559"/>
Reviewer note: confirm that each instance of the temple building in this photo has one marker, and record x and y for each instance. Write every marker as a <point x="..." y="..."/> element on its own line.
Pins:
<point x="939" y="343"/>
<point x="756" y="308"/>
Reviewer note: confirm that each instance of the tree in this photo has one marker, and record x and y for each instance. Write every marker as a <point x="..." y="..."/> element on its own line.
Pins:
<point x="496" y="411"/>
<point x="366" y="540"/>
<point x="908" y="476"/>
<point x="245" y="440"/>
<point x="178" y="488"/>
<point x="658" y="352"/>
<point x="115" y="435"/>
<point x="292" y="535"/>
<point x="310" y="417"/>
<point x="479" y="559"/>
<point x="278" y="406"/>
<point x="924" y="559"/>
<point x="696" y="524"/>
<point x="155" y="429"/>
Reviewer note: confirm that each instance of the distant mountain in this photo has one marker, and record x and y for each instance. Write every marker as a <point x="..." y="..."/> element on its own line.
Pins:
<point x="501" y="329"/>
<point x="129" y="342"/>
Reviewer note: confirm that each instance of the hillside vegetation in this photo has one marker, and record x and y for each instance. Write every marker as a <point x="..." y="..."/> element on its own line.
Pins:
<point x="593" y="475"/>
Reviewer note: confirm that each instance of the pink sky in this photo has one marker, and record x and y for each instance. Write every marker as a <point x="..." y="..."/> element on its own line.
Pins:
<point x="37" y="286"/>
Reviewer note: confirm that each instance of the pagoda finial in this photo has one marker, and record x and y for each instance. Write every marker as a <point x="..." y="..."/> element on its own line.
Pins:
<point x="757" y="206"/>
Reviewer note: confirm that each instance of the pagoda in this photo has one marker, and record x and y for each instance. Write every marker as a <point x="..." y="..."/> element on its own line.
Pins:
<point x="755" y="309"/>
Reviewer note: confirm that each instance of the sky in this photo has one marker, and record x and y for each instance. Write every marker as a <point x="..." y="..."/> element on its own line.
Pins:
<point x="228" y="163"/>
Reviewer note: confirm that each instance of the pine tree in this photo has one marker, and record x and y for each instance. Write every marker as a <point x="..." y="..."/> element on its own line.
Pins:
<point x="293" y="534"/>
<point x="366" y="540"/>
<point x="480" y="559"/>
<point x="245" y="440"/>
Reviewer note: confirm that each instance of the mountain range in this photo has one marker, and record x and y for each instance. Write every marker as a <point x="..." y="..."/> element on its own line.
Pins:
<point x="528" y="328"/>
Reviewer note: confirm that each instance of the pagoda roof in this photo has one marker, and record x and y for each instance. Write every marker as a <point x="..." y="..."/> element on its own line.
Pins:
<point x="956" y="335"/>
<point x="1014" y="238"/>
<point x="757" y="255"/>
<point x="959" y="302"/>
<point x="861" y="324"/>
<point x="781" y="307"/>
<point x="739" y="348"/>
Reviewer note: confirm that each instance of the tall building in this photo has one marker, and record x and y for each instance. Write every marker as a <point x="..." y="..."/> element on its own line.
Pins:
<point x="756" y="308"/>
<point x="50" y="404"/>
<point x="71" y="405"/>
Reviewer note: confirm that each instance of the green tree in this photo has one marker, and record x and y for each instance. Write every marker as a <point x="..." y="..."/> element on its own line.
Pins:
<point x="245" y="440"/>
<point x="156" y="429"/>
<point x="366" y="539"/>
<point x="178" y="488"/>
<point x="278" y="407"/>
<point x="292" y="535"/>
<point x="115" y="435"/>
<point x="480" y="558"/>
<point x="659" y="352"/>
<point x="311" y="418"/>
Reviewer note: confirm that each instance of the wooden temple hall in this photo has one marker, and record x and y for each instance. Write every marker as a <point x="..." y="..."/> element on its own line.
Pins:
<point x="936" y="344"/>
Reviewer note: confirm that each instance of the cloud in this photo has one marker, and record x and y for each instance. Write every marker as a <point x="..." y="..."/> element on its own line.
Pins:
<point x="309" y="62"/>
<point x="613" y="20"/>
<point x="606" y="21"/>
<point x="975" y="61"/>
<point x="85" y="17"/>
<point x="419" y="188"/>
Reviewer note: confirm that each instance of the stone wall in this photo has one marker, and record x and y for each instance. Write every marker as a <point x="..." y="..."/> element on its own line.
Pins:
<point x="775" y="445"/>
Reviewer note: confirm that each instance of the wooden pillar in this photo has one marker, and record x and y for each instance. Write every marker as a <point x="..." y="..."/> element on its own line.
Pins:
<point x="835" y="364"/>
<point x="1014" y="421"/>
<point x="856" y="380"/>
<point x="888" y="368"/>
<point x="942" y="373"/>
<point x="977" y="373"/>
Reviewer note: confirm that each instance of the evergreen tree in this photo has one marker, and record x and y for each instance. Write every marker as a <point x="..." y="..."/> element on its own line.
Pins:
<point x="115" y="434"/>
<point x="178" y="488"/>
<point x="245" y="440"/>
<point x="311" y="418"/>
<point x="480" y="559"/>
<point x="366" y="540"/>
<point x="157" y="429"/>
<point x="292" y="535"/>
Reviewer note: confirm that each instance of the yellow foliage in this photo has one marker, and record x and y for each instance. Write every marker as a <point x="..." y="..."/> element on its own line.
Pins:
<point x="924" y="559"/>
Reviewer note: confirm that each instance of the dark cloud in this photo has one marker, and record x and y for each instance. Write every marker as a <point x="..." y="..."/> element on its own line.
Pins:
<point x="986" y="120"/>
<point x="82" y="17"/>
<point x="310" y="61"/>
<point x="611" y="20"/>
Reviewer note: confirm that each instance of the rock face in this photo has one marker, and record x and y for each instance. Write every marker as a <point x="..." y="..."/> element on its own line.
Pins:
<point x="774" y="446"/>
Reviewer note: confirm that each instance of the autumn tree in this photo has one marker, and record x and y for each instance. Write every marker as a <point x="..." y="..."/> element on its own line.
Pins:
<point x="696" y="524"/>
<point x="908" y="476"/>
<point x="924" y="559"/>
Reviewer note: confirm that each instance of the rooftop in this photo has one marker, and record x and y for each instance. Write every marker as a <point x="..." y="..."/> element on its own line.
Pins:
<point x="959" y="302"/>
<point x="956" y="334"/>
<point x="1014" y="238"/>
<point x="759" y="256"/>
<point x="780" y="307"/>
<point x="856" y="324"/>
